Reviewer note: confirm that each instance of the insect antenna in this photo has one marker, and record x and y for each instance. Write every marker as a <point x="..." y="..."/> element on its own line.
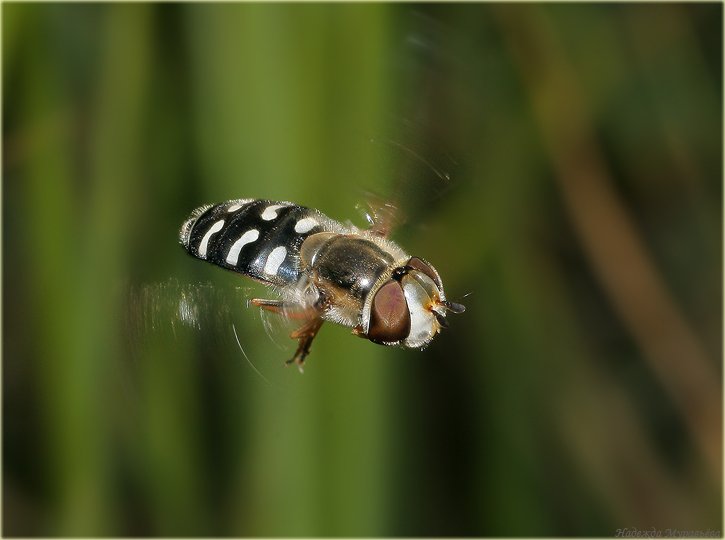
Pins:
<point x="455" y="307"/>
<point x="441" y="319"/>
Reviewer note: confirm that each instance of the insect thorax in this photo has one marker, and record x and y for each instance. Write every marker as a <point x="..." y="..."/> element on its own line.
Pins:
<point x="345" y="267"/>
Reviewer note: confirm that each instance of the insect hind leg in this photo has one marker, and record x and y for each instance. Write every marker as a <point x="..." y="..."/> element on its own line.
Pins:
<point x="291" y="310"/>
<point x="305" y="334"/>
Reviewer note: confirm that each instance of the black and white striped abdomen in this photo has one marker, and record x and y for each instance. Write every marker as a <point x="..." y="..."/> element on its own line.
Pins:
<point x="258" y="238"/>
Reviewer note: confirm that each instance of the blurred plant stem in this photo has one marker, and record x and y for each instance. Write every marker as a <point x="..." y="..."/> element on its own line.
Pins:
<point x="608" y="234"/>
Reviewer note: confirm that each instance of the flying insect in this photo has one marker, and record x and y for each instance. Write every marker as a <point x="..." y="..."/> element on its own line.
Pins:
<point x="323" y="270"/>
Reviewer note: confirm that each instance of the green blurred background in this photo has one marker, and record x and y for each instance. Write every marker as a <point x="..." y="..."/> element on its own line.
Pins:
<point x="561" y="163"/>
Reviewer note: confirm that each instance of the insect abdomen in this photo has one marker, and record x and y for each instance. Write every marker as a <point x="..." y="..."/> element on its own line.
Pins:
<point x="258" y="238"/>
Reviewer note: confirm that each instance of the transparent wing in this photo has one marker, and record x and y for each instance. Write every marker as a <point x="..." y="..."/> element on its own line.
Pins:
<point x="417" y="179"/>
<point x="214" y="323"/>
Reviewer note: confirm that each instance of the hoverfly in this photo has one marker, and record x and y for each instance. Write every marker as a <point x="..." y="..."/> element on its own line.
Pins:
<point x="323" y="270"/>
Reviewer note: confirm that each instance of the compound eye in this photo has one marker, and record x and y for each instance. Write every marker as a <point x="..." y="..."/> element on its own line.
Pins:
<point x="389" y="315"/>
<point x="422" y="266"/>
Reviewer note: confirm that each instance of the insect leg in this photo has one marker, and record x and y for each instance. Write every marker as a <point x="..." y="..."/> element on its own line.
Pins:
<point x="291" y="310"/>
<point x="305" y="334"/>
